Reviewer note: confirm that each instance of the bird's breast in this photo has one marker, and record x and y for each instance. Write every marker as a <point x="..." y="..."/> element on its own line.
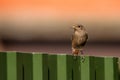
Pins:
<point x="79" y="33"/>
<point x="79" y="39"/>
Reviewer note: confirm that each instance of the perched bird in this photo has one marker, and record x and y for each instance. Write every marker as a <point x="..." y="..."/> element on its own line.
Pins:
<point x="79" y="39"/>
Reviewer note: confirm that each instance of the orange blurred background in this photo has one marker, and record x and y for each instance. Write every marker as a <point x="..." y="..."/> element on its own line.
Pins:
<point x="49" y="21"/>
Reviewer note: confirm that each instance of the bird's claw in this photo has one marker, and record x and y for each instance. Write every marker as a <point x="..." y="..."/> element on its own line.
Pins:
<point x="75" y="56"/>
<point x="82" y="59"/>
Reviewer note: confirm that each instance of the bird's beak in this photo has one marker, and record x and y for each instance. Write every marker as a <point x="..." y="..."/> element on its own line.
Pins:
<point x="73" y="27"/>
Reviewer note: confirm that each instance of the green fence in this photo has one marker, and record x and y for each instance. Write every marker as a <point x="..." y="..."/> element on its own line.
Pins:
<point x="40" y="66"/>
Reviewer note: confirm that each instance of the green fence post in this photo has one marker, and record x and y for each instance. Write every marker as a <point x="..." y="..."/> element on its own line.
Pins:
<point x="111" y="68"/>
<point x="11" y="66"/>
<point x="76" y="68"/>
<point x="52" y="67"/>
<point x="24" y="66"/>
<point x="70" y="67"/>
<point x="116" y="68"/>
<point x="99" y="68"/>
<point x="3" y="66"/>
<point x="8" y="66"/>
<point x="87" y="69"/>
<point x="0" y="66"/>
<point x="62" y="67"/>
<point x="27" y="66"/>
<point x="40" y="67"/>
<point x="36" y="66"/>
<point x="20" y="69"/>
<point x="32" y="66"/>
<point x="106" y="68"/>
<point x="119" y="67"/>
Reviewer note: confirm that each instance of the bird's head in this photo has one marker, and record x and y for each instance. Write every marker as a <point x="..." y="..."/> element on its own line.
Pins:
<point x="78" y="27"/>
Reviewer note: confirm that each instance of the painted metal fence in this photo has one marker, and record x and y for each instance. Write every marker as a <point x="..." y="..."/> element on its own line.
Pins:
<point x="40" y="66"/>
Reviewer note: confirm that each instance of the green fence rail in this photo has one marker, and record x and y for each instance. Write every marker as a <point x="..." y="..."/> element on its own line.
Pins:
<point x="40" y="66"/>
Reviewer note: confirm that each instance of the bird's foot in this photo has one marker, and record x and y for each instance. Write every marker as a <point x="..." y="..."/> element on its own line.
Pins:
<point x="82" y="58"/>
<point x="75" y="56"/>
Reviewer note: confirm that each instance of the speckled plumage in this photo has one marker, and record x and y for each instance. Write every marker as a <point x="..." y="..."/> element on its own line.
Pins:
<point x="79" y="39"/>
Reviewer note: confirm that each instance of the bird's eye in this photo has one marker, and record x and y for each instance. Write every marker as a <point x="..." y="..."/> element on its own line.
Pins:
<point x="79" y="26"/>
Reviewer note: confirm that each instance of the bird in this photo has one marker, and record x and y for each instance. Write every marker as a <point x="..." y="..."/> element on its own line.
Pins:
<point x="79" y="39"/>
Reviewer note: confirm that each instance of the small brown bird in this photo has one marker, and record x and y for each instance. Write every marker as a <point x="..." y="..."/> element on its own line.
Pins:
<point x="79" y="39"/>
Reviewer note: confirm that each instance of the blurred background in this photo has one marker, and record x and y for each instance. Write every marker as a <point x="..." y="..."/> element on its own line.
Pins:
<point x="45" y="25"/>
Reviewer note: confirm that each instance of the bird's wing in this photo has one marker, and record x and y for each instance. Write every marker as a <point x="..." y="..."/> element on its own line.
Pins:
<point x="83" y="40"/>
<point x="86" y="35"/>
<point x="74" y="43"/>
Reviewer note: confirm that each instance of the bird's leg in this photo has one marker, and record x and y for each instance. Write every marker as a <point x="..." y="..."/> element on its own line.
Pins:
<point x="75" y="53"/>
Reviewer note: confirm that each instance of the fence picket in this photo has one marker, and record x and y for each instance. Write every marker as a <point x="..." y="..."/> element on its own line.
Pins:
<point x="52" y="67"/>
<point x="8" y="66"/>
<point x="99" y="68"/>
<point x="110" y="64"/>
<point x="61" y="67"/>
<point x="87" y="69"/>
<point x="40" y="66"/>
